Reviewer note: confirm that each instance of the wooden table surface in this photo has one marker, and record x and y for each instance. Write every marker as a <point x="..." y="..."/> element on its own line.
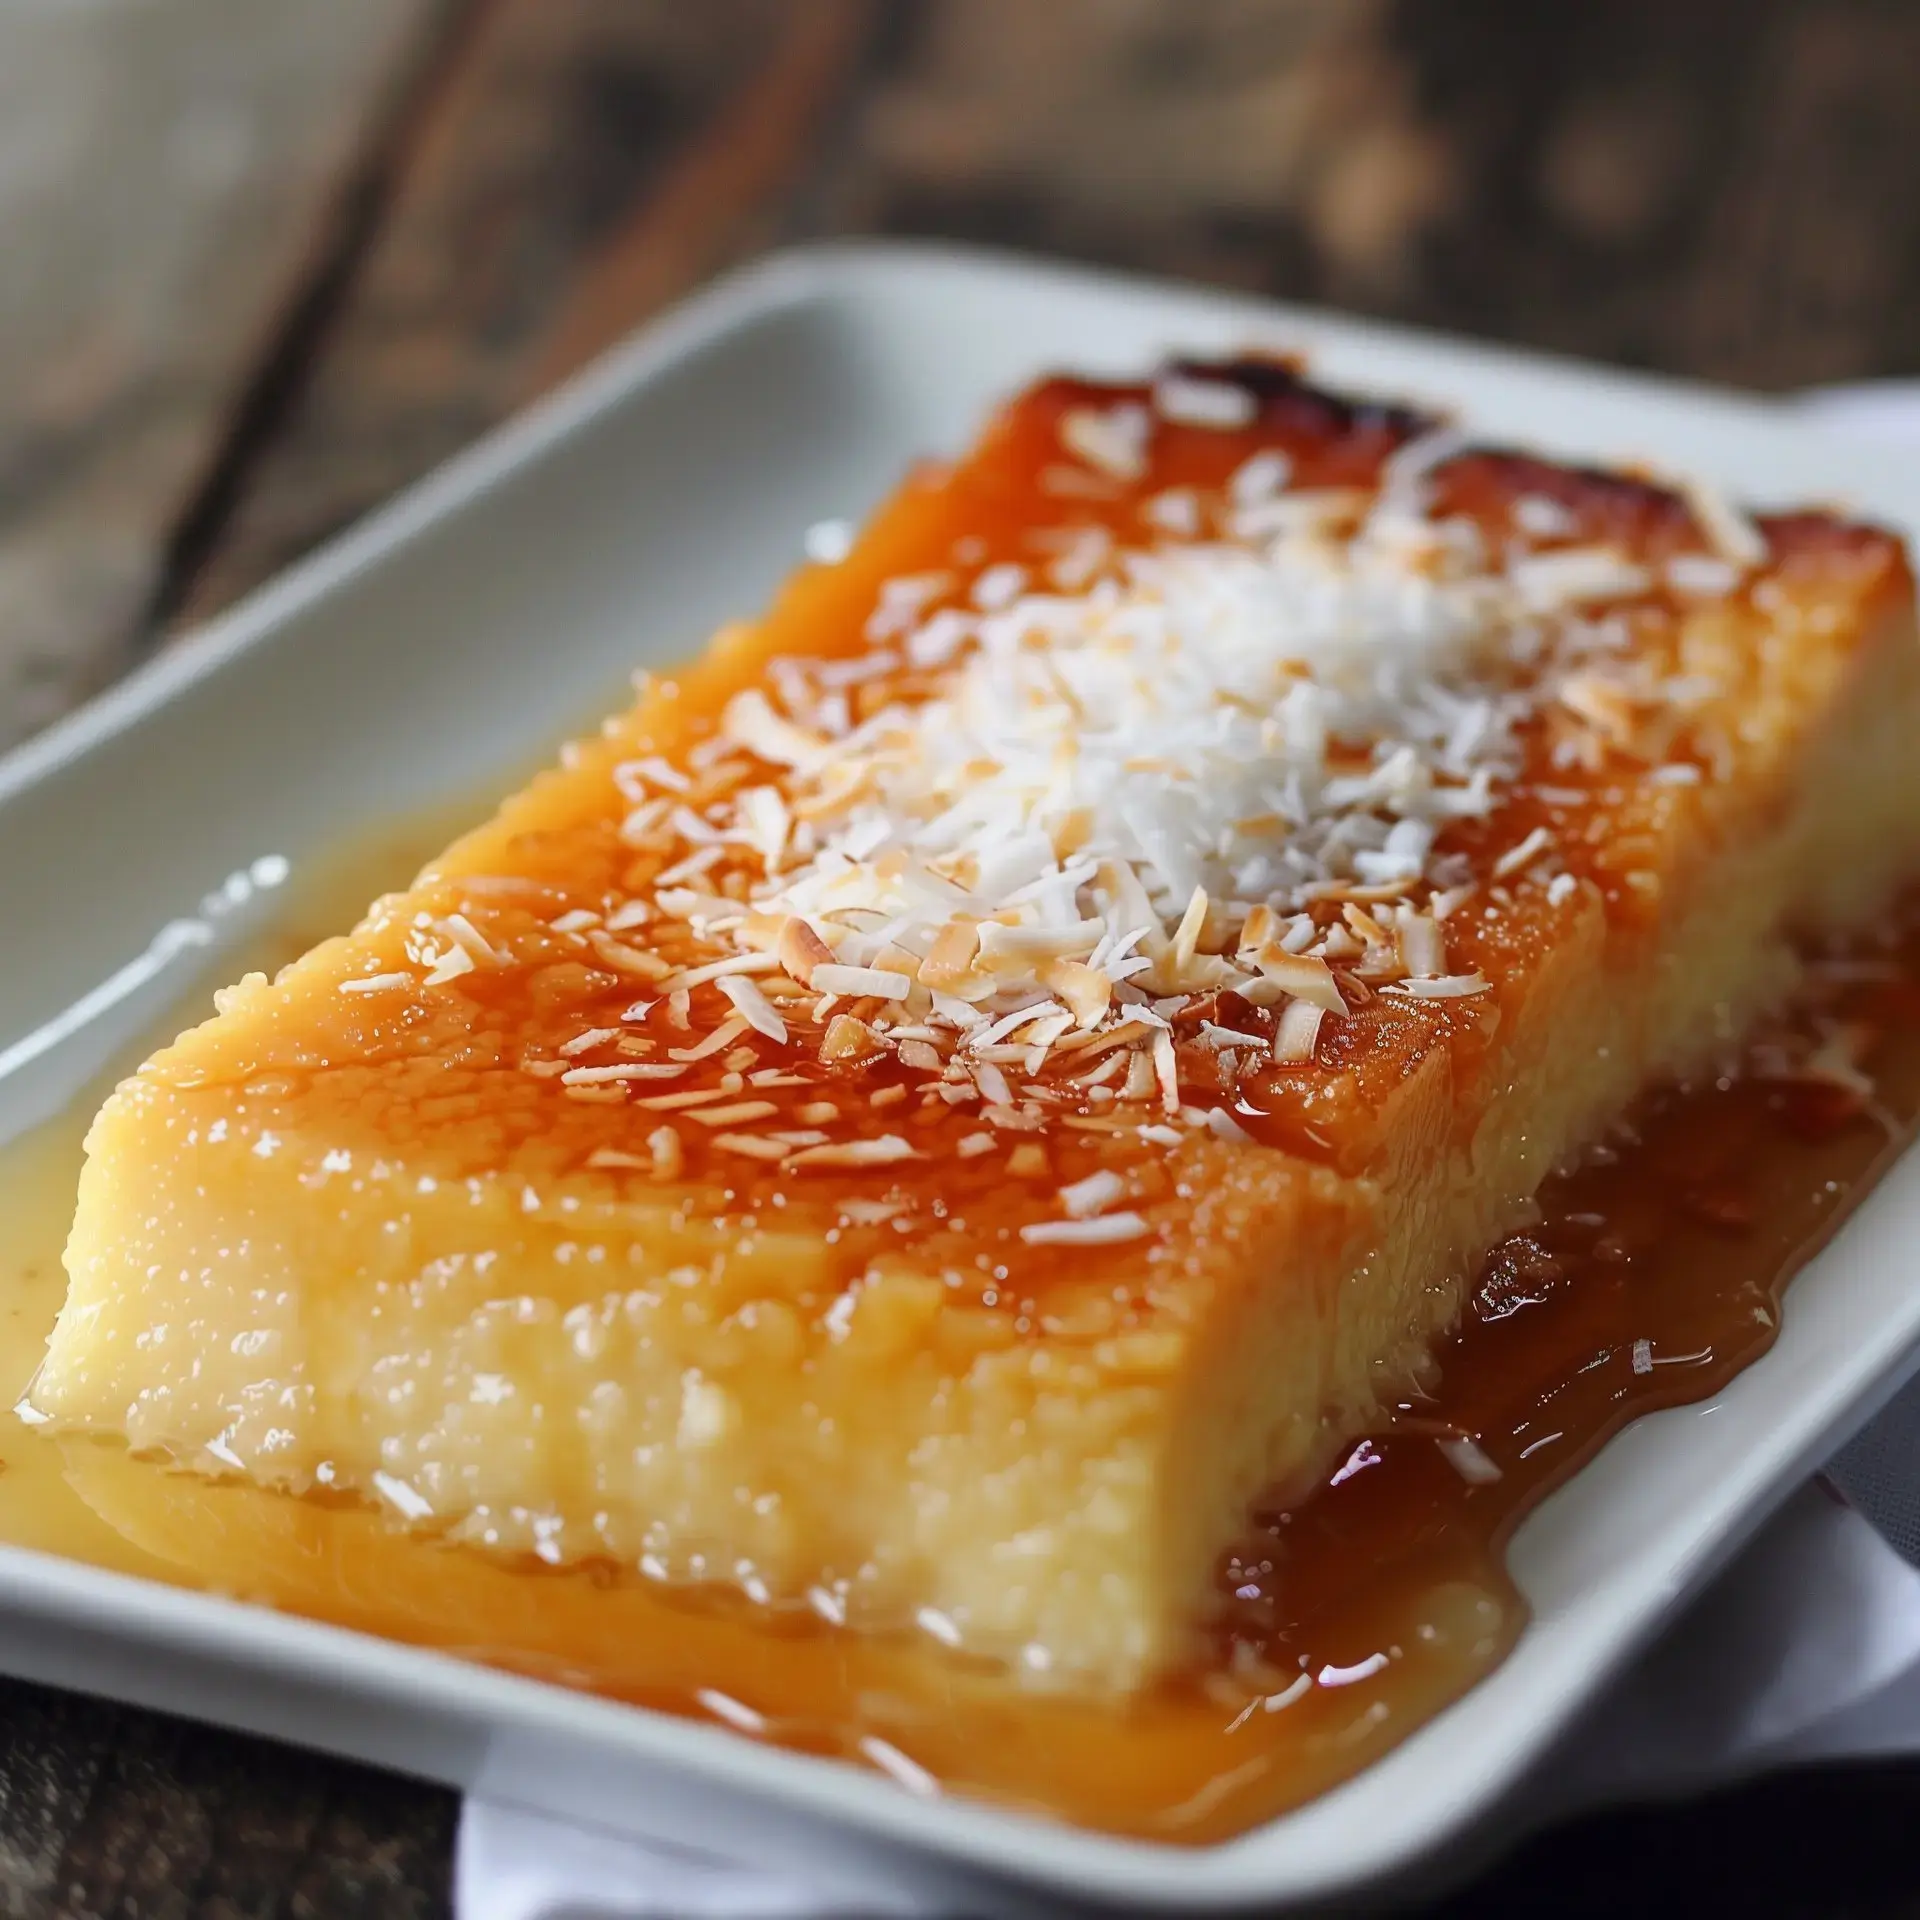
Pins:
<point x="266" y="261"/>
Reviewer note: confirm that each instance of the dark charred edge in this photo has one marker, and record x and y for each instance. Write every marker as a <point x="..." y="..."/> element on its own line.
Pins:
<point x="1292" y="404"/>
<point x="291" y="346"/>
<point x="1289" y="399"/>
<point x="1635" y="505"/>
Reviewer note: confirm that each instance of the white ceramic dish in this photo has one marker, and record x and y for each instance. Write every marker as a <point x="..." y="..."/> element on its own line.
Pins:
<point x="502" y="602"/>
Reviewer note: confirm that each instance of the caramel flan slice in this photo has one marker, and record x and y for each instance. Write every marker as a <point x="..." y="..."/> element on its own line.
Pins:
<point x="1016" y="1055"/>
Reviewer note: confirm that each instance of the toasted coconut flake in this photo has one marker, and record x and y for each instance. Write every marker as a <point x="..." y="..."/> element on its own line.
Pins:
<point x="634" y="777"/>
<point x="871" y="1213"/>
<point x="751" y="722"/>
<point x="645" y="824"/>
<point x="992" y="1084"/>
<point x="723" y="970"/>
<point x="1186" y="936"/>
<point x="1544" y="517"/>
<point x="450" y="966"/>
<point x="1141" y="1075"/>
<point x="376" y="982"/>
<point x="752" y="1146"/>
<point x="1192" y="402"/>
<point x="1603" y="705"/>
<point x="680" y="1102"/>
<point x="1040" y="1036"/>
<point x="1297" y="1032"/>
<point x="1702" y="575"/>
<point x="1259" y="477"/>
<point x="1123" y="1033"/>
<point x="1303" y="976"/>
<point x="755" y="1008"/>
<point x="1175" y="511"/>
<point x="1106" y="1230"/>
<point x="1223" y="1126"/>
<point x="1576" y="576"/>
<point x="1423" y="948"/>
<point x="1108" y="1067"/>
<point x="1000" y="943"/>
<point x="612" y="1157"/>
<point x="800" y="949"/>
<point x="980" y="1038"/>
<point x="1453" y="986"/>
<point x="1094" y="1194"/>
<point x="625" y="959"/>
<point x="849" y="1039"/>
<point x="1111" y="440"/>
<point x="718" y="1041"/>
<point x="949" y="961"/>
<point x="462" y="929"/>
<point x="1226" y="1039"/>
<point x="862" y="982"/>
<point x="708" y="910"/>
<point x="736" y="1113"/>
<point x="1524" y="854"/>
<point x="879" y="1152"/>
<point x="1008" y="1056"/>
<point x="692" y="866"/>
<point x="1733" y="537"/>
<point x="971" y="1145"/>
<point x="586" y="1042"/>
<point x="1166" y="1071"/>
<point x="600" y="1076"/>
<point x="1260" y="926"/>
<point x="999" y="587"/>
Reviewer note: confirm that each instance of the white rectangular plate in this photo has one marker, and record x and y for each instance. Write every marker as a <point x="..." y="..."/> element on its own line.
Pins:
<point x="503" y="602"/>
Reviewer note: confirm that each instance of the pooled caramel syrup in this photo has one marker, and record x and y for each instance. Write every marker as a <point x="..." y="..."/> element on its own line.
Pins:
<point x="1652" y="1275"/>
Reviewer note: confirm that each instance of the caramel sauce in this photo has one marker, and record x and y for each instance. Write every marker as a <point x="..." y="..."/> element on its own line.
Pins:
<point x="1652" y="1275"/>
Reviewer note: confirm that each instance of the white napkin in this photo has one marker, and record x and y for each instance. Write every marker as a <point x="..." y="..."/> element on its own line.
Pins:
<point x="1806" y="1648"/>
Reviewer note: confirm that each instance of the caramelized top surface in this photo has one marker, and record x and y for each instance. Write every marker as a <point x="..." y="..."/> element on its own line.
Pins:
<point x="1475" y="694"/>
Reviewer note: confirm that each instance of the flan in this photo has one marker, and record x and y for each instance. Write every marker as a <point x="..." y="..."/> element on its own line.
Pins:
<point x="1014" y="1056"/>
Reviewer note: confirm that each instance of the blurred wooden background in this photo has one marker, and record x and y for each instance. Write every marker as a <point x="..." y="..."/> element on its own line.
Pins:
<point x="264" y="261"/>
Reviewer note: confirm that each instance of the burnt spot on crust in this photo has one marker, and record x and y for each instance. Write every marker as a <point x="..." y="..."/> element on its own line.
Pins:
<point x="1635" y="510"/>
<point x="1290" y="403"/>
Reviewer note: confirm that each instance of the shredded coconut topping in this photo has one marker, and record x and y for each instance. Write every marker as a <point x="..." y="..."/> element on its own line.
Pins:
<point x="1148" y="783"/>
<point x="1104" y="826"/>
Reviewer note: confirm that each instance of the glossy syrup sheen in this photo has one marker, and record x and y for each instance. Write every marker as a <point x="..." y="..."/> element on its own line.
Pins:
<point x="1652" y="1276"/>
<point x="439" y="1088"/>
